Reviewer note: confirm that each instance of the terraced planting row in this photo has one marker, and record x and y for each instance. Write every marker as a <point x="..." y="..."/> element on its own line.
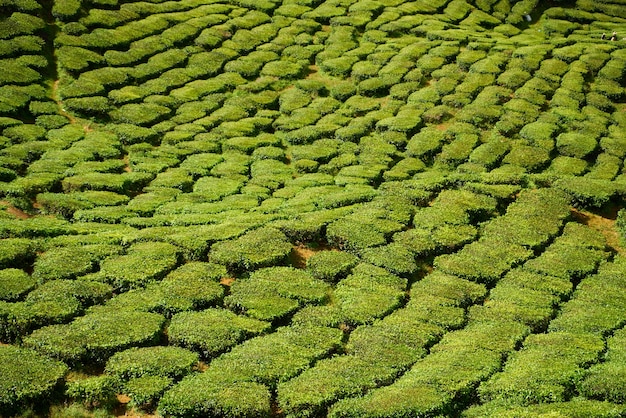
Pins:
<point x="309" y="208"/>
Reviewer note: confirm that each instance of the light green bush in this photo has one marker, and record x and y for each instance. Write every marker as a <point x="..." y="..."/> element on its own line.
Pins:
<point x="213" y="331"/>
<point x="97" y="336"/>
<point x="259" y="248"/>
<point x="15" y="284"/>
<point x="272" y="293"/>
<point x="143" y="263"/>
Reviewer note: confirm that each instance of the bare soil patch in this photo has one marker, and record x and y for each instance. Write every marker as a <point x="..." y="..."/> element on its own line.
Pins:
<point x="227" y="281"/>
<point x="604" y="224"/>
<point x="442" y="126"/>
<point x="301" y="253"/>
<point x="18" y="213"/>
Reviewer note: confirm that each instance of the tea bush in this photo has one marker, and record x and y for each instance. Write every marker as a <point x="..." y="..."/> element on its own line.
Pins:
<point x="97" y="336"/>
<point x="29" y="378"/>
<point x="213" y="331"/>
<point x="164" y="361"/>
<point x="272" y="293"/>
<point x="15" y="284"/>
<point x="92" y="391"/>
<point x="143" y="263"/>
<point x="260" y="248"/>
<point x="331" y="266"/>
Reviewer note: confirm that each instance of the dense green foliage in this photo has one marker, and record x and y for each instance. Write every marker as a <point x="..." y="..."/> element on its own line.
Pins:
<point x="312" y="208"/>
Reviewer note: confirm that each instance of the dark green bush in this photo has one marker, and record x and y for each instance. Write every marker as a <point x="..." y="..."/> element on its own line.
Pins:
<point x="28" y="378"/>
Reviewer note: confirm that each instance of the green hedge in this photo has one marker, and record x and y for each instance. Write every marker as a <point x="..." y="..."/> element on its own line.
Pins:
<point x="229" y="388"/>
<point x="27" y="378"/>
<point x="213" y="331"/>
<point x="545" y="370"/>
<point x="97" y="336"/>
<point x="605" y="380"/>
<point x="16" y="252"/>
<point x="576" y="408"/>
<point x="272" y="293"/>
<point x="15" y="284"/>
<point x="259" y="248"/>
<point x="164" y="361"/>
<point x="368" y="293"/>
<point x="70" y="262"/>
<point x="143" y="263"/>
<point x="331" y="266"/>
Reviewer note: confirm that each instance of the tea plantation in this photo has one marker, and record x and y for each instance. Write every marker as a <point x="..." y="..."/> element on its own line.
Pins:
<point x="312" y="208"/>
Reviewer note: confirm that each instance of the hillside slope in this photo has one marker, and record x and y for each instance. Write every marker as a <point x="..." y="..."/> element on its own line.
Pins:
<point x="309" y="208"/>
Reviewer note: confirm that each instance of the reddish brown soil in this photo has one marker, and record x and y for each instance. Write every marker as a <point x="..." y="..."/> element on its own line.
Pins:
<point x="18" y="213"/>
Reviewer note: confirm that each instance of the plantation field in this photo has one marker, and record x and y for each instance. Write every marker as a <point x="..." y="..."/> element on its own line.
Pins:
<point x="312" y="208"/>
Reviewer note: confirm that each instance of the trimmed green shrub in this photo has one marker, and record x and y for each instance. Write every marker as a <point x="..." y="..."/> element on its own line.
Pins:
<point x="97" y="336"/>
<point x="144" y="263"/>
<point x="483" y="261"/>
<point x="28" y="378"/>
<point x="574" y="144"/>
<point x="93" y="391"/>
<point x="259" y="248"/>
<point x="353" y="236"/>
<point x="119" y="183"/>
<point x="164" y="361"/>
<point x="278" y="357"/>
<point x="576" y="408"/>
<point x="369" y="293"/>
<point x="586" y="191"/>
<point x="15" y="284"/>
<point x="140" y="114"/>
<point x="426" y="143"/>
<point x="67" y="292"/>
<point x="197" y="396"/>
<point x="531" y="158"/>
<point x="272" y="293"/>
<point x="544" y="370"/>
<point x="16" y="252"/>
<point x="394" y="257"/>
<point x="331" y="379"/>
<point x="331" y="266"/>
<point x="212" y="331"/>
<point x="145" y="391"/>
